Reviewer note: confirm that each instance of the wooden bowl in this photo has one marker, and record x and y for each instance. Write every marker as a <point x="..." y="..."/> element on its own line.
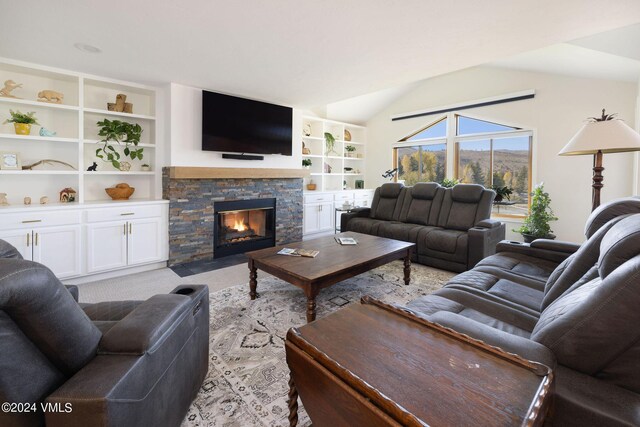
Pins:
<point x="120" y="191"/>
<point x="311" y="187"/>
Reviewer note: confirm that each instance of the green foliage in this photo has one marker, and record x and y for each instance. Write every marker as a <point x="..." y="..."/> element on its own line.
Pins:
<point x="18" y="117"/>
<point x="330" y="142"/>
<point x="537" y="222"/>
<point x="411" y="171"/>
<point x="119" y="131"/>
<point x="502" y="192"/>
<point x="306" y="162"/>
<point x="350" y="148"/>
<point x="448" y="183"/>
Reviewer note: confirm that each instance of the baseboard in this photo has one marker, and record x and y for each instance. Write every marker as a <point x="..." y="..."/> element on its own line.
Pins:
<point x="115" y="273"/>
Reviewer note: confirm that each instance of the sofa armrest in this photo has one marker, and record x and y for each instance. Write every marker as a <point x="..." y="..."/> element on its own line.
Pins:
<point x="526" y="348"/>
<point x="544" y="252"/>
<point x="483" y="239"/>
<point x="73" y="290"/>
<point x="554" y="245"/>
<point x="146" y="326"/>
<point x="355" y="213"/>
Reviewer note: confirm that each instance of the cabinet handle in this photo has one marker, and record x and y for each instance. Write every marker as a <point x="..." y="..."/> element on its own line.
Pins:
<point x="127" y="213"/>
<point x="36" y="239"/>
<point x="31" y="220"/>
<point x="28" y="239"/>
<point x="125" y="228"/>
<point x="130" y="229"/>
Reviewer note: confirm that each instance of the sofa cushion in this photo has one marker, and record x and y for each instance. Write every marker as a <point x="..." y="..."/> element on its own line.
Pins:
<point x="465" y="205"/>
<point x="619" y="244"/>
<point x="422" y="204"/>
<point x="401" y="231"/>
<point x="449" y="245"/>
<point x="365" y="225"/>
<point x="7" y="250"/>
<point x="387" y="202"/>
<point x="605" y="213"/>
<point x="525" y="265"/>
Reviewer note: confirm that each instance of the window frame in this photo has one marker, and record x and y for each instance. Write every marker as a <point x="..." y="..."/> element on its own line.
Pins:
<point x="419" y="144"/>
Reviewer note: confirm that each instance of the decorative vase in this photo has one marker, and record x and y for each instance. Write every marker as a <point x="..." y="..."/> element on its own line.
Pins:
<point x="145" y="168"/>
<point x="22" y="128"/>
<point x="125" y="166"/>
<point x="311" y="187"/>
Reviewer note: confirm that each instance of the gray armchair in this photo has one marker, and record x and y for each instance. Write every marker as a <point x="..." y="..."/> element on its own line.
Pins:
<point x="132" y="363"/>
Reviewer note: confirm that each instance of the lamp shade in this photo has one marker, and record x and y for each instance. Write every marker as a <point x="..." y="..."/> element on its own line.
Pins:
<point x="611" y="136"/>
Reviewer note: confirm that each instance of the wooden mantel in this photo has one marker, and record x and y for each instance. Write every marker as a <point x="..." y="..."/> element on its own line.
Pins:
<point x="187" y="172"/>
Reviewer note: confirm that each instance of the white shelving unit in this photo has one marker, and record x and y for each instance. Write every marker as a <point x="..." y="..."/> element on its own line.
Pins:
<point x="337" y="169"/>
<point x="75" y="121"/>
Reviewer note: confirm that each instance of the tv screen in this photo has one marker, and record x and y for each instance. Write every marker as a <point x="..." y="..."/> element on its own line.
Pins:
<point x="241" y="125"/>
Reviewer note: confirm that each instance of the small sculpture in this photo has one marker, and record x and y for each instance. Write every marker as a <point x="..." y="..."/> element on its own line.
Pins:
<point x="93" y="167"/>
<point x="120" y="106"/>
<point x="27" y="200"/>
<point x="9" y="85"/>
<point x="47" y="132"/>
<point x="306" y="130"/>
<point x="44" y="200"/>
<point x="305" y="150"/>
<point x="125" y="166"/>
<point x="3" y="199"/>
<point x="67" y="195"/>
<point x="327" y="168"/>
<point x="50" y="96"/>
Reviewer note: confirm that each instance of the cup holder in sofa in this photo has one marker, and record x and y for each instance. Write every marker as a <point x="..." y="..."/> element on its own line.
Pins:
<point x="184" y="291"/>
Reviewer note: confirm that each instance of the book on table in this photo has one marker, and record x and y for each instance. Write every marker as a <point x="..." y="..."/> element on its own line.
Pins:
<point x="346" y="240"/>
<point x="298" y="252"/>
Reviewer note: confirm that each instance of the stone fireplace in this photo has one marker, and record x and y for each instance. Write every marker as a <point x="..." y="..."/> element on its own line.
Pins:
<point x="193" y="192"/>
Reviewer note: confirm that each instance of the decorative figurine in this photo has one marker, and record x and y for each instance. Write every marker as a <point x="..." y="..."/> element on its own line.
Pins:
<point x="306" y="130"/>
<point x="93" y="167"/>
<point x="44" y="200"/>
<point x="145" y="168"/>
<point x="305" y="150"/>
<point x="47" y="132"/>
<point x="125" y="166"/>
<point x="327" y="168"/>
<point x="67" y="195"/>
<point x="120" y="105"/>
<point x="50" y="96"/>
<point x="27" y="200"/>
<point x="9" y="85"/>
<point x="3" y="199"/>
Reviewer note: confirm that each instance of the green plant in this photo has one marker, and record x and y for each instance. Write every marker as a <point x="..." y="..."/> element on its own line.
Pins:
<point x="502" y="192"/>
<point x="118" y="131"/>
<point x="350" y="148"/>
<point x="18" y="117"/>
<point x="330" y="142"/>
<point x="537" y="222"/>
<point x="145" y="165"/>
<point x="306" y="162"/>
<point x="448" y="183"/>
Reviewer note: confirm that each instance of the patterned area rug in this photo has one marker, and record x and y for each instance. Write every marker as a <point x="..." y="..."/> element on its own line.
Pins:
<point x="247" y="383"/>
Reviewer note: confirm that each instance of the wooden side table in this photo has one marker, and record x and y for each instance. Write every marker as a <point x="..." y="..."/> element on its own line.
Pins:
<point x="376" y="365"/>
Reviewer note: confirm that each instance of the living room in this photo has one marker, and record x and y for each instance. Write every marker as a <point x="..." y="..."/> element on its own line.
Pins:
<point x="152" y="169"/>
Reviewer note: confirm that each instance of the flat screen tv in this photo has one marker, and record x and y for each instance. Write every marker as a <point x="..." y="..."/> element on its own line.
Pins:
<point x="240" y="125"/>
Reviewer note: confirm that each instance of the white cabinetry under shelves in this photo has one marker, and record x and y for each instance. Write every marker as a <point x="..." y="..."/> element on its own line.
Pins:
<point x="320" y="214"/>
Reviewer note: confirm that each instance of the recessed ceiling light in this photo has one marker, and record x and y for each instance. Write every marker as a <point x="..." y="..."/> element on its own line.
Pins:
<point x="87" y="48"/>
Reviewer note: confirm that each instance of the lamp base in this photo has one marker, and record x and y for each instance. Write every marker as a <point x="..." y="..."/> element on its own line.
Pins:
<point x="597" y="180"/>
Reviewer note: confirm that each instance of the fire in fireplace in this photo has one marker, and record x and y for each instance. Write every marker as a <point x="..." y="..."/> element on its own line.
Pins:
<point x="243" y="225"/>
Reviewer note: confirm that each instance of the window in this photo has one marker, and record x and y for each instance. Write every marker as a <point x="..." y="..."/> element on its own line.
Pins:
<point x="422" y="156"/>
<point x="437" y="129"/>
<point x="467" y="126"/>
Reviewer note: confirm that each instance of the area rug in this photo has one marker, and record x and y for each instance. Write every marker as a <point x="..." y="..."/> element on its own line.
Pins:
<point x="247" y="383"/>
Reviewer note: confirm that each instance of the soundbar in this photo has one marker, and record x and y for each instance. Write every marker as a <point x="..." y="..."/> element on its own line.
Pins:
<point x="241" y="156"/>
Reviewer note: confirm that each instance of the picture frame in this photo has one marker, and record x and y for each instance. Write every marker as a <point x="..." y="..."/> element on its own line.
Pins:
<point x="10" y="160"/>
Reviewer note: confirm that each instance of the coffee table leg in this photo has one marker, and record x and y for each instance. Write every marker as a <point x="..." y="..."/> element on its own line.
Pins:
<point x="293" y="403"/>
<point x="311" y="304"/>
<point x="253" y="280"/>
<point x="407" y="269"/>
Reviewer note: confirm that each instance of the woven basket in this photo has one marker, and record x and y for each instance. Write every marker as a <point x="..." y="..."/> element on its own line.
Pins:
<point x="120" y="191"/>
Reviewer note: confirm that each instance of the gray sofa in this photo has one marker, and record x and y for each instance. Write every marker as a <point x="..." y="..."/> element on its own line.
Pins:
<point x="450" y="226"/>
<point x="574" y="308"/>
<point x="127" y="363"/>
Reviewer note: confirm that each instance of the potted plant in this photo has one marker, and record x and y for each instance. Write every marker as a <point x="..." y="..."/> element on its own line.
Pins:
<point x="448" y="183"/>
<point x="119" y="131"/>
<point x="306" y="163"/>
<point x="536" y="224"/>
<point x="502" y="193"/>
<point x="349" y="150"/>
<point x="22" y="122"/>
<point x="330" y="142"/>
<point x="145" y="167"/>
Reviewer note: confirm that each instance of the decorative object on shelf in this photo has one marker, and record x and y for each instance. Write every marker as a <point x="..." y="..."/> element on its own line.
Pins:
<point x="27" y="200"/>
<point x="311" y="185"/>
<point x="47" y="132"/>
<point x="502" y="193"/>
<point x="145" y="168"/>
<point x="118" y="131"/>
<point x="349" y="151"/>
<point x="22" y="122"/>
<point x="46" y="162"/>
<point x="67" y="195"/>
<point x="93" y="167"/>
<point x="125" y="166"/>
<point x="391" y="173"/>
<point x="327" y="168"/>
<point x="306" y="129"/>
<point x="306" y="163"/>
<point x="330" y="143"/>
<point x="305" y="150"/>
<point x="3" y="199"/>
<point x="44" y="200"/>
<point x="348" y="170"/>
<point x="536" y="224"/>
<point x="359" y="183"/>
<point x="448" y="183"/>
<point x="121" y="191"/>
<point x="50" y="96"/>
<point x="347" y="135"/>
<point x="9" y="86"/>
<point x="120" y="106"/>
<point x="9" y="160"/>
<point x="344" y="185"/>
<point x="605" y="134"/>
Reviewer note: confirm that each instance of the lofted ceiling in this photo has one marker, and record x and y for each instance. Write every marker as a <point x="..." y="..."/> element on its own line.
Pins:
<point x="301" y="53"/>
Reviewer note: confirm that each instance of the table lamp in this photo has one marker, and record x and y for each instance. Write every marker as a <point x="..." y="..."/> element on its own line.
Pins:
<point x="600" y="135"/>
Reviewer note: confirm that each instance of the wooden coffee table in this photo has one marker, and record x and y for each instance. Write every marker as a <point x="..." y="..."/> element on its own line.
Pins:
<point x="333" y="264"/>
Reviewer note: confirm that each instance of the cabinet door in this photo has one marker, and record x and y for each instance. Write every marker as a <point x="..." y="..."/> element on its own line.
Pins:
<point x="311" y="218"/>
<point x="59" y="248"/>
<point x="145" y="244"/>
<point x="106" y="246"/>
<point x="21" y="239"/>
<point x="326" y="217"/>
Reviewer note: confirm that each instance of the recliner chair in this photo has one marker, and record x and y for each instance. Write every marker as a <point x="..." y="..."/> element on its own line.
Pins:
<point x="131" y="363"/>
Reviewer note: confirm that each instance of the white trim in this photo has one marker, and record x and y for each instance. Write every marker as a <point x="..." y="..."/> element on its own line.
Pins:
<point x="493" y="135"/>
<point x="428" y="141"/>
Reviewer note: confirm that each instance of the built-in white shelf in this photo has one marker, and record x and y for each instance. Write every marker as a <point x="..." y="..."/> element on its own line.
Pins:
<point x="95" y="141"/>
<point x="312" y="155"/>
<point x="118" y="114"/>
<point x="38" y="138"/>
<point x="18" y="101"/>
<point x="37" y="172"/>
<point x="115" y="172"/>
<point x="315" y="138"/>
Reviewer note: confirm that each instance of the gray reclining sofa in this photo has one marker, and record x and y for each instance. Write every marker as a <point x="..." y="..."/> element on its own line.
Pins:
<point x="574" y="308"/>
<point x="450" y="226"/>
<point x="126" y="363"/>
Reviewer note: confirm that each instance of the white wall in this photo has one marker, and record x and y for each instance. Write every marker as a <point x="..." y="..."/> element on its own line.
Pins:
<point x="558" y="110"/>
<point x="185" y="136"/>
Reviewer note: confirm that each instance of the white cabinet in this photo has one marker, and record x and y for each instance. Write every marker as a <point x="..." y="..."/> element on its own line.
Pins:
<point x="318" y="217"/>
<point x="106" y="246"/>
<point x="21" y="240"/>
<point x="320" y="214"/>
<point x="144" y="241"/>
